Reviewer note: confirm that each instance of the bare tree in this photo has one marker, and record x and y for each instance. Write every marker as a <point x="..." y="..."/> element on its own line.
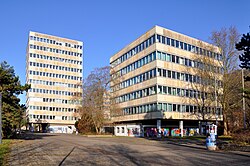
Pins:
<point x="235" y="114"/>
<point x="203" y="82"/>
<point x="115" y="81"/>
<point x="94" y="100"/>
<point x="226" y="39"/>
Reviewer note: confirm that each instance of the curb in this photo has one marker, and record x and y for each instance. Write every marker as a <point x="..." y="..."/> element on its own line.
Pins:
<point x="247" y="154"/>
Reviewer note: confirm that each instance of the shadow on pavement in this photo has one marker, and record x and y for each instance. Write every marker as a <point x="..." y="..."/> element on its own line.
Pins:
<point x="111" y="155"/>
<point x="32" y="136"/>
<point x="77" y="150"/>
<point x="66" y="156"/>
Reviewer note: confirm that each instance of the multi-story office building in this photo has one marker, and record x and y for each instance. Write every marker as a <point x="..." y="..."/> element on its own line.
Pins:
<point x="54" y="69"/>
<point x="156" y="83"/>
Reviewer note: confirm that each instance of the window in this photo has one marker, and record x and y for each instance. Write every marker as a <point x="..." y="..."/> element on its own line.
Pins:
<point x="123" y="130"/>
<point x="173" y="58"/>
<point x="177" y="44"/>
<point x="169" y="57"/>
<point x="169" y="74"/>
<point x="173" y="74"/>
<point x="164" y="90"/>
<point x="185" y="46"/>
<point x="181" y="45"/>
<point x="169" y="107"/>
<point x="168" y="41"/>
<point x="174" y="108"/>
<point x="169" y="91"/>
<point x="177" y="59"/>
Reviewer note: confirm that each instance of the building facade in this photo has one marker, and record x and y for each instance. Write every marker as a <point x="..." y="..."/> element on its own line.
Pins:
<point x="158" y="84"/>
<point x="54" y="68"/>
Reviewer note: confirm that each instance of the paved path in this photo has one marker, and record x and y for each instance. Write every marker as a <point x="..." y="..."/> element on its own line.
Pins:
<point x="53" y="149"/>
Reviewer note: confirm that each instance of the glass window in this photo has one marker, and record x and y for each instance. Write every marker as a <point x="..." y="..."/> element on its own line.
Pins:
<point x="169" y="74"/>
<point x="159" y="72"/>
<point x="164" y="107"/>
<point x="178" y="108"/>
<point x="163" y="40"/>
<point x="169" y="107"/>
<point x="169" y="91"/>
<point x="173" y="74"/>
<point x="158" y="55"/>
<point x="178" y="92"/>
<point x="192" y="48"/>
<point x="159" y="89"/>
<point x="168" y="41"/>
<point x="177" y="44"/>
<point x="177" y="75"/>
<point x="164" y="73"/>
<point x="186" y="62"/>
<point x="169" y="57"/>
<point x="185" y="46"/>
<point x="164" y="90"/>
<point x="174" y="108"/>
<point x="181" y="45"/>
<point x="158" y="38"/>
<point x="173" y="58"/>
<point x="189" y="47"/>
<point x="163" y="56"/>
<point x="173" y="42"/>
<point x="174" y="91"/>
<point x="177" y="59"/>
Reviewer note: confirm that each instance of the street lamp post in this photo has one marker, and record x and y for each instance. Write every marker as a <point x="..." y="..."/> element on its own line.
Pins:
<point x="243" y="99"/>
<point x="216" y="114"/>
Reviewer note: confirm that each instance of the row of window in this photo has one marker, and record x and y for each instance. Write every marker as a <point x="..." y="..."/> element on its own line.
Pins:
<point x="137" y="79"/>
<point x="69" y="118"/>
<point x="49" y="41"/>
<point x="167" y="57"/>
<point x="170" y="107"/>
<point x="53" y="58"/>
<point x="57" y="109"/>
<point x="54" y="75"/>
<point x="167" y="41"/>
<point x="54" y="92"/>
<point x="159" y="89"/>
<point x="165" y="73"/>
<point x="51" y="83"/>
<point x="137" y="94"/>
<point x="187" y="47"/>
<point x="145" y="44"/>
<point x="187" y="77"/>
<point x="187" y="62"/>
<point x="51" y="117"/>
<point x="58" y="51"/>
<point x="118" y="130"/>
<point x="61" y="101"/>
<point x="139" y="63"/>
<point x="56" y="67"/>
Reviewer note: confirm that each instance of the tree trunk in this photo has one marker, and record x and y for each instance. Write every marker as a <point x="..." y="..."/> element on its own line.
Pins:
<point x="225" y="132"/>
<point x="96" y="130"/>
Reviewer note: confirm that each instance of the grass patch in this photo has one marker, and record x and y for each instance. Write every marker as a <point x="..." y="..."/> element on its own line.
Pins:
<point x="4" y="151"/>
<point x="228" y="139"/>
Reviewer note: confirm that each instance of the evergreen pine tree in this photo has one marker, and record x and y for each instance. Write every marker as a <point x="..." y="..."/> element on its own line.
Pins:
<point x="10" y="87"/>
<point x="244" y="46"/>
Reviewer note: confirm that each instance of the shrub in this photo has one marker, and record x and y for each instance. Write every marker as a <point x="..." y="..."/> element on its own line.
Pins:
<point x="241" y="136"/>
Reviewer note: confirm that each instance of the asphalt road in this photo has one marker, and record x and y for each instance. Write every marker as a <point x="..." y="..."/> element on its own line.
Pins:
<point x="64" y="149"/>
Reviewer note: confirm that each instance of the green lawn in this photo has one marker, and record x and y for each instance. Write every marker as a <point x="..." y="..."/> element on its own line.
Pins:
<point x="4" y="150"/>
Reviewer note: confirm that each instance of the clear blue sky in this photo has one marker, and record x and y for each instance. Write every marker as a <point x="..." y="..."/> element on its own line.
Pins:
<point x="106" y="26"/>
